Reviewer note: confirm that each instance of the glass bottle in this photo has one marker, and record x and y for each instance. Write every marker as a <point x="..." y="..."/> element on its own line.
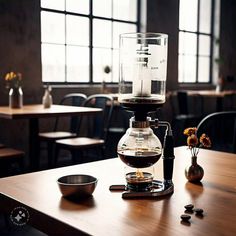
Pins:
<point x="47" y="98"/>
<point x="16" y="97"/>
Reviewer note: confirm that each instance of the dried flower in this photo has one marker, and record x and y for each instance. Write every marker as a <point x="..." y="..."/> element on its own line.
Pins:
<point x="13" y="80"/>
<point x="192" y="141"/>
<point x="205" y="140"/>
<point x="190" y="131"/>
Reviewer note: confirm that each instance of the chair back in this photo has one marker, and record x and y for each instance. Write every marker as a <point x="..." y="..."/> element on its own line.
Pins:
<point x="182" y="98"/>
<point x="98" y="125"/>
<point x="72" y="99"/>
<point x="221" y="128"/>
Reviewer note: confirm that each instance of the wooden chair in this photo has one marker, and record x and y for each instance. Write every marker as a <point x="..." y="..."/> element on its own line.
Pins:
<point x="221" y="128"/>
<point x="184" y="114"/>
<point x="96" y="127"/>
<point x="72" y="99"/>
<point x="183" y="118"/>
<point x="9" y="156"/>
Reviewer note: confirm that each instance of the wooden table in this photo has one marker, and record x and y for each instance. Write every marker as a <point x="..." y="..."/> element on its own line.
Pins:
<point x="33" y="113"/>
<point x="106" y="213"/>
<point x="213" y="94"/>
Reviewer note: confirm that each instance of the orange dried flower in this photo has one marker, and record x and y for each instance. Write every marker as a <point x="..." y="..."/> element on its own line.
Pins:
<point x="192" y="141"/>
<point x="190" y="131"/>
<point x="13" y="80"/>
<point x="205" y="141"/>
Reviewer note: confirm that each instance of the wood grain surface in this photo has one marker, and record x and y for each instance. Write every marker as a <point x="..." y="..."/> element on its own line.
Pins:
<point x="38" y="111"/>
<point x="106" y="213"/>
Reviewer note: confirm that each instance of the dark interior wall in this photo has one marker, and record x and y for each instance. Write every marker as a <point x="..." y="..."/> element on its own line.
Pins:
<point x="19" y="46"/>
<point x="228" y="40"/>
<point x="19" y="52"/>
<point x="159" y="21"/>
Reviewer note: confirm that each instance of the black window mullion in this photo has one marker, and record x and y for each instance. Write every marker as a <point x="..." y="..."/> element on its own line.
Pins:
<point x="91" y="41"/>
<point x="138" y="15"/>
<point x="212" y="38"/>
<point x="112" y="46"/>
<point x="197" y="55"/>
<point x="66" y="79"/>
<point x="189" y="31"/>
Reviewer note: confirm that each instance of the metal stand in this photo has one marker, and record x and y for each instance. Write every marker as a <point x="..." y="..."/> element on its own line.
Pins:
<point x="157" y="189"/>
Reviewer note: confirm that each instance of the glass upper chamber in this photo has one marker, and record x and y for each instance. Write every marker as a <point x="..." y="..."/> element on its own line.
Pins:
<point x="143" y="68"/>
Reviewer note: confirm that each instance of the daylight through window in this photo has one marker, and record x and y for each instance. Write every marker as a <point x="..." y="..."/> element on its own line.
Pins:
<point x="80" y="37"/>
<point x="196" y="19"/>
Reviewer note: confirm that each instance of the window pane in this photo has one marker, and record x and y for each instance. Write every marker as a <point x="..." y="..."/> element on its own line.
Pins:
<point x="115" y="67"/>
<point x="188" y="15"/>
<point x="77" y="30"/>
<point x="77" y="64"/>
<point x="53" y="4"/>
<point x="125" y="10"/>
<point x="203" y="70"/>
<point x="53" y="63"/>
<point x="78" y="6"/>
<point x="66" y="35"/>
<point x="187" y="69"/>
<point x="102" y="8"/>
<point x="204" y="45"/>
<point x="101" y="33"/>
<point x="205" y="16"/>
<point x="101" y="58"/>
<point x="52" y="27"/>
<point x="187" y="43"/>
<point x="119" y="28"/>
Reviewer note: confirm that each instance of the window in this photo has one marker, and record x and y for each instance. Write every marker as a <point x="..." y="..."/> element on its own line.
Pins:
<point x="80" y="37"/>
<point x="196" y="40"/>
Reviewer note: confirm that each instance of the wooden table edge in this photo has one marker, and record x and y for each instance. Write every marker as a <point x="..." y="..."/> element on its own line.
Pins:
<point x="37" y="218"/>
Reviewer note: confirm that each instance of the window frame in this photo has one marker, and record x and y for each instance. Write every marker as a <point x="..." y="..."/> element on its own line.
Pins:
<point x="198" y="33"/>
<point x="90" y="17"/>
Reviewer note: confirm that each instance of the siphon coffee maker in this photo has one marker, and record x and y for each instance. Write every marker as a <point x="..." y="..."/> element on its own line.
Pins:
<point x="142" y="88"/>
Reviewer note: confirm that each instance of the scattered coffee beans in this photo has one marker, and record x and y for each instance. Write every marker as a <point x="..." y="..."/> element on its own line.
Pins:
<point x="198" y="211"/>
<point x="189" y="207"/>
<point x="185" y="217"/>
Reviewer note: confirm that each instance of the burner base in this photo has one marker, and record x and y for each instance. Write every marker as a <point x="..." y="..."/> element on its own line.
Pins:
<point x="157" y="189"/>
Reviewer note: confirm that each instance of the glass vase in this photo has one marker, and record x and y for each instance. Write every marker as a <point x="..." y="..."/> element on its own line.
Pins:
<point x="16" y="98"/>
<point x="195" y="172"/>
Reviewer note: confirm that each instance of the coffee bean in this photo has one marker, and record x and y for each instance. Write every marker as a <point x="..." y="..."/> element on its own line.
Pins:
<point x="189" y="207"/>
<point x="185" y="217"/>
<point x="198" y="211"/>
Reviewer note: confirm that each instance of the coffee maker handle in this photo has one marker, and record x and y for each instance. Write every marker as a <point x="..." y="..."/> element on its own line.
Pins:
<point x="168" y="157"/>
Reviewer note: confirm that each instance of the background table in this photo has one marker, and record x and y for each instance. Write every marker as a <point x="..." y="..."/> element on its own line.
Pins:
<point x="219" y="96"/>
<point x="106" y="213"/>
<point x="33" y="113"/>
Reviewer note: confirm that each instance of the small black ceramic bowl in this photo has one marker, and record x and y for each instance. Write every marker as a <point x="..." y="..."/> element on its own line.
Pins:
<point x="77" y="185"/>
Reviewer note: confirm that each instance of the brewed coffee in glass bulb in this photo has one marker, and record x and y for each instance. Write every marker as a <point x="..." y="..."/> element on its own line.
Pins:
<point x="142" y="87"/>
<point x="139" y="149"/>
